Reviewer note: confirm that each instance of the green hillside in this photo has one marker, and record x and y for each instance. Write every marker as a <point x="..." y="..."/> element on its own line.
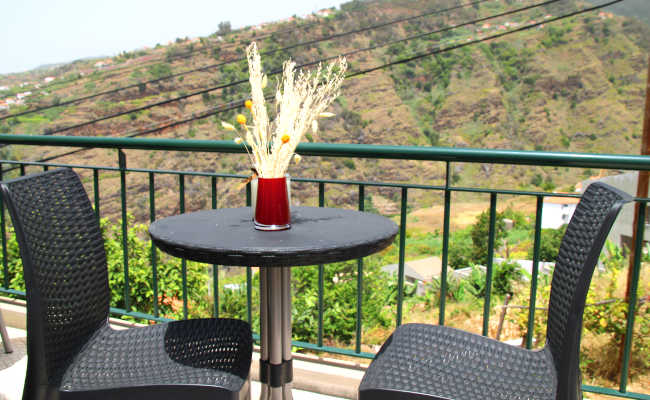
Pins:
<point x="572" y="85"/>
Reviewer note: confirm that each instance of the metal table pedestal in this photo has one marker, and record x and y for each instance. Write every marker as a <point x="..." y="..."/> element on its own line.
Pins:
<point x="276" y="372"/>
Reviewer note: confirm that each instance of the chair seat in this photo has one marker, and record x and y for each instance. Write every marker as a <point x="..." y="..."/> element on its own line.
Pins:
<point x="439" y="362"/>
<point x="211" y="353"/>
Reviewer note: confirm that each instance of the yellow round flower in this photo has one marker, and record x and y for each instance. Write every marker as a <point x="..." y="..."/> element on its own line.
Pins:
<point x="241" y="119"/>
<point x="603" y="322"/>
<point x="248" y="104"/>
<point x="285" y="138"/>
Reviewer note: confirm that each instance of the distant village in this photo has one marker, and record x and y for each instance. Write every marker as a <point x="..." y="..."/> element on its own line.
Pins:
<point x="19" y="98"/>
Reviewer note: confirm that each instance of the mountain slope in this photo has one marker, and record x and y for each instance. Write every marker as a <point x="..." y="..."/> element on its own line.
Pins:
<point x="572" y="85"/>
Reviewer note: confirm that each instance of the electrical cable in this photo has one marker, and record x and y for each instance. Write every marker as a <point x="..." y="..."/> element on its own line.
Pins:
<point x="307" y="64"/>
<point x="530" y="26"/>
<point x="208" y="67"/>
<point x="238" y="104"/>
<point x="204" y="49"/>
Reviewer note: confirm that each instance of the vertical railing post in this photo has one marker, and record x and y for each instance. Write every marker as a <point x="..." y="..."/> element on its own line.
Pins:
<point x="402" y="252"/>
<point x="181" y="204"/>
<point x="321" y="273"/>
<point x="215" y="268"/>
<point x="490" y="262"/>
<point x="533" y="279"/>
<point x="3" y="232"/>
<point x="125" y="232"/>
<point x="445" y="247"/>
<point x="96" y="191"/>
<point x="631" y="305"/>
<point x="360" y="279"/>
<point x="154" y="261"/>
<point x="249" y="295"/>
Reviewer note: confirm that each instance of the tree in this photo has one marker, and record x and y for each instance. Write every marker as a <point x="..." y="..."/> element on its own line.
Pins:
<point x="224" y="28"/>
<point x="505" y="274"/>
<point x="479" y="234"/>
<point x="549" y="244"/>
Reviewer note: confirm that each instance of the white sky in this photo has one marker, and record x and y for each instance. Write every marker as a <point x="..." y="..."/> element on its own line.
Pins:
<point x="37" y="32"/>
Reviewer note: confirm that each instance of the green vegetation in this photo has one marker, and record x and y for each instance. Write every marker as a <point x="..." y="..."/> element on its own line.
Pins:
<point x="606" y="319"/>
<point x="159" y="70"/>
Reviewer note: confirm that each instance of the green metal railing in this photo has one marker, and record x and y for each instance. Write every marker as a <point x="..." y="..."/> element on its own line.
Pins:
<point x="445" y="155"/>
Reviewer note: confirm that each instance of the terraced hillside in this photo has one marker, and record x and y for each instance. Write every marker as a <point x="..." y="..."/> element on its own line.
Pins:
<point x="576" y="84"/>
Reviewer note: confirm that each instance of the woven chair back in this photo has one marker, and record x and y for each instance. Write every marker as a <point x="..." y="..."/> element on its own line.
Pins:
<point x="64" y="264"/>
<point x="574" y="267"/>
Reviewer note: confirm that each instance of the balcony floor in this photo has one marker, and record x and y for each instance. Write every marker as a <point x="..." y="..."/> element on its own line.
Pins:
<point x="13" y="366"/>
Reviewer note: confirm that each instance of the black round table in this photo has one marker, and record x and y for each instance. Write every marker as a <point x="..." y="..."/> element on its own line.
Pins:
<point x="317" y="236"/>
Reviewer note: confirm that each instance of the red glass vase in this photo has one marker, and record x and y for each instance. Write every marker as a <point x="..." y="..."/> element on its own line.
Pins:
<point x="272" y="212"/>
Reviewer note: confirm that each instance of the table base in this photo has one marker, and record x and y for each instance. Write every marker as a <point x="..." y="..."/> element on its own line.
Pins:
<point x="276" y="369"/>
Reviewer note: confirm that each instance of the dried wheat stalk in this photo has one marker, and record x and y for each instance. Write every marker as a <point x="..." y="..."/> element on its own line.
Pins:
<point x="301" y="98"/>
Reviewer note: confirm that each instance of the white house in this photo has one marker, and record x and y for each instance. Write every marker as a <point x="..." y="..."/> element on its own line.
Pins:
<point x="557" y="211"/>
<point x="21" y="96"/>
<point x="621" y="233"/>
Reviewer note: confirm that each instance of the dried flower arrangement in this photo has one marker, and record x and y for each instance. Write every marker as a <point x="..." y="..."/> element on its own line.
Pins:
<point x="301" y="98"/>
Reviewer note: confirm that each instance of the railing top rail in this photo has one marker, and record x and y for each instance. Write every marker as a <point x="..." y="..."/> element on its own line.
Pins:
<point x="496" y="156"/>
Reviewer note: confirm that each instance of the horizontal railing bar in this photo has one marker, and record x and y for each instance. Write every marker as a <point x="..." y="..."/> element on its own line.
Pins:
<point x="116" y="169"/>
<point x="137" y="314"/>
<point x="327" y="349"/>
<point x="12" y="291"/>
<point x="188" y="173"/>
<point x="615" y="393"/>
<point x="60" y="165"/>
<point x="335" y="350"/>
<point x="497" y="156"/>
<point x="313" y="180"/>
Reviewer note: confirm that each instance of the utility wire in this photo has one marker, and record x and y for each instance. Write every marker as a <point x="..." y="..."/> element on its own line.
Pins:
<point x="187" y="54"/>
<point x="523" y="28"/>
<point x="307" y="64"/>
<point x="239" y="103"/>
<point x="212" y="66"/>
<point x="205" y="48"/>
<point x="174" y="57"/>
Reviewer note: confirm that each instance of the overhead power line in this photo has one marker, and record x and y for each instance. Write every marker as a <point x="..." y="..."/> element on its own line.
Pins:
<point x="189" y="53"/>
<point x="307" y="64"/>
<point x="212" y="66"/>
<point x="238" y="104"/>
<point x="475" y="41"/>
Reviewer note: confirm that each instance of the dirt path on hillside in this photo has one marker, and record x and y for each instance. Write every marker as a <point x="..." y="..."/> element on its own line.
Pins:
<point x="463" y="214"/>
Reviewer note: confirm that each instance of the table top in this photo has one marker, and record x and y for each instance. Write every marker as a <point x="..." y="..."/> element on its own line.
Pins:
<point x="317" y="236"/>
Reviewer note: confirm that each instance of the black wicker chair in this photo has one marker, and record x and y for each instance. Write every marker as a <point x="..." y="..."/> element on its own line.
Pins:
<point x="72" y="351"/>
<point x="423" y="361"/>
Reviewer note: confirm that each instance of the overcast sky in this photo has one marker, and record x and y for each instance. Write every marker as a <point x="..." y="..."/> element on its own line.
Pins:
<point x="37" y="32"/>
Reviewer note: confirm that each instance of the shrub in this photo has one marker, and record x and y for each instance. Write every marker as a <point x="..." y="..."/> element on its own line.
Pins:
<point x="159" y="70"/>
<point x="505" y="275"/>
<point x="549" y="244"/>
